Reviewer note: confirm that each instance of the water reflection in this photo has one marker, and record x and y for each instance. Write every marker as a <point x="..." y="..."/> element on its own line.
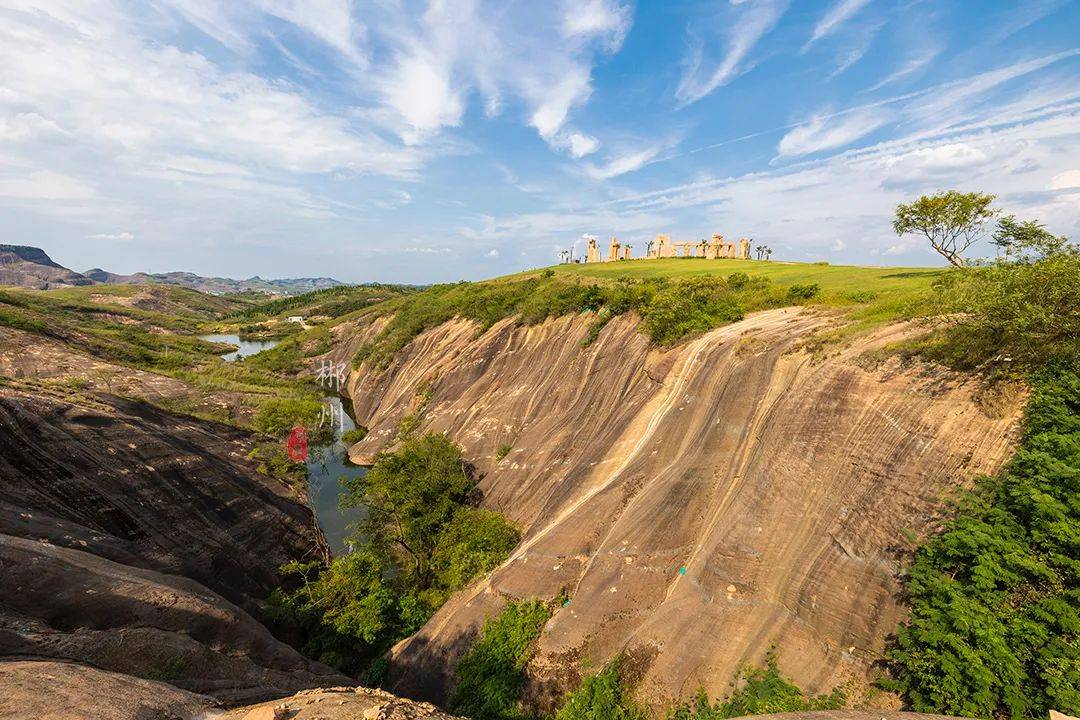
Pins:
<point x="245" y="347"/>
<point x="327" y="465"/>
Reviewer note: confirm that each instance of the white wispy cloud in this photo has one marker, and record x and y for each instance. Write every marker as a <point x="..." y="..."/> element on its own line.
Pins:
<point x="837" y="15"/>
<point x="622" y="164"/>
<point x="741" y="27"/>
<point x="458" y="48"/>
<point x="236" y="24"/>
<point x="921" y="58"/>
<point x="820" y="133"/>
<point x="116" y="236"/>
<point x="855" y="51"/>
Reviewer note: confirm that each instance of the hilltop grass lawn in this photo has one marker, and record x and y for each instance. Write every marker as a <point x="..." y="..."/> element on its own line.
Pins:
<point x="839" y="283"/>
<point x="677" y="298"/>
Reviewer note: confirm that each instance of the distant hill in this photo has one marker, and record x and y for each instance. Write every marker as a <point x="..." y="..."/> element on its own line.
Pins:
<point x="31" y="267"/>
<point x="216" y="285"/>
<point x="27" y="266"/>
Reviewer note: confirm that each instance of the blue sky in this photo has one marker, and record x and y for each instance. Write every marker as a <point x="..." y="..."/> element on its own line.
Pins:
<point x="460" y="139"/>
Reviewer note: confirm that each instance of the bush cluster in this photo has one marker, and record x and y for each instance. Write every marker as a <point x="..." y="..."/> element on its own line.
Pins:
<point x="422" y="539"/>
<point x="492" y="673"/>
<point x="673" y="310"/>
<point x="760" y="691"/>
<point x="995" y="599"/>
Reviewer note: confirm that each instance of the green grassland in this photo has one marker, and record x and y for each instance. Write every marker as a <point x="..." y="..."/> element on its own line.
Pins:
<point x="151" y="302"/>
<point x="676" y="298"/>
<point x="834" y="280"/>
<point x="155" y="329"/>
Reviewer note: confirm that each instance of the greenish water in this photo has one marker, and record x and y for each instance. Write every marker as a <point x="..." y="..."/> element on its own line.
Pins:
<point x="327" y="465"/>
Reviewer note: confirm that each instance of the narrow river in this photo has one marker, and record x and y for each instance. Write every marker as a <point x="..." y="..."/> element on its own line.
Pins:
<point x="327" y="464"/>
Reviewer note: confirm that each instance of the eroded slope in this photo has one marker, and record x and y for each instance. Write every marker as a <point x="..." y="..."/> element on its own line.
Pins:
<point x="696" y="504"/>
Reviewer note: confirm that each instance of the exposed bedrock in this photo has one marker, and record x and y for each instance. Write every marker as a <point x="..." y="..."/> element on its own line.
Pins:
<point x="47" y="690"/>
<point x="133" y="484"/>
<point x="140" y="542"/>
<point x="697" y="504"/>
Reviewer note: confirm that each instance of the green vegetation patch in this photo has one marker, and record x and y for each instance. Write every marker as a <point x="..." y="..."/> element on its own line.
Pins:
<point x="674" y="307"/>
<point x="491" y="676"/>
<point x="603" y="695"/>
<point x="759" y="691"/>
<point x="422" y="539"/>
<point x="995" y="599"/>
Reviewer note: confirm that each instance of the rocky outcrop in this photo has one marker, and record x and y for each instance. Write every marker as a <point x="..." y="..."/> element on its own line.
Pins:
<point x="340" y="703"/>
<point x="27" y="266"/>
<point x="131" y="483"/>
<point x="43" y="690"/>
<point x="71" y="605"/>
<point x="141" y="542"/>
<point x="49" y="690"/>
<point x="697" y="504"/>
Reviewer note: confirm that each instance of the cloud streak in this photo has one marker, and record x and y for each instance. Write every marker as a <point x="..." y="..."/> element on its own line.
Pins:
<point x="741" y="28"/>
<point x="837" y="15"/>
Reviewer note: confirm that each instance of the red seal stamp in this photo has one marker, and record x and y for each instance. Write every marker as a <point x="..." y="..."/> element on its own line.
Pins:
<point x="296" y="446"/>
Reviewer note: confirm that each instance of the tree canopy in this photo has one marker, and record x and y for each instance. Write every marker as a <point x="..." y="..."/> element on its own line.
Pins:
<point x="952" y="221"/>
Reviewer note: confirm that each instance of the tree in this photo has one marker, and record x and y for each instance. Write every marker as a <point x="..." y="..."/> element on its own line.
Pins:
<point x="1028" y="240"/>
<point x="952" y="221"/>
<point x="1026" y="309"/>
<point x="410" y="496"/>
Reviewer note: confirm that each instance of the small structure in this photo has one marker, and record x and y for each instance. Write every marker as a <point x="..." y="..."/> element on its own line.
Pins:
<point x="663" y="246"/>
<point x="295" y="319"/>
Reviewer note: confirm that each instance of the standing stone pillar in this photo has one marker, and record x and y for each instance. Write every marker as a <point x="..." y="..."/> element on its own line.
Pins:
<point x="594" y="252"/>
<point x="613" y="249"/>
<point x="663" y="246"/>
<point x="744" y="248"/>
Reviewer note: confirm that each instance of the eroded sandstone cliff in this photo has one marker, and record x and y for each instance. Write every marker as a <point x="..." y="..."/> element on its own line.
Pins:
<point x="698" y="504"/>
<point x="142" y="543"/>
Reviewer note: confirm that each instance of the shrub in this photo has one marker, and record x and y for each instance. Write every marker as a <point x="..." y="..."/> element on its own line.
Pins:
<point x="762" y="691"/>
<point x="689" y="307"/>
<point x="278" y="416"/>
<point x="503" y="451"/>
<point x="1027" y="310"/>
<point x="351" y="437"/>
<point x="994" y="629"/>
<point x="738" y="280"/>
<point x="602" y="697"/>
<point x="803" y="292"/>
<point x="491" y="675"/>
<point x="471" y="544"/>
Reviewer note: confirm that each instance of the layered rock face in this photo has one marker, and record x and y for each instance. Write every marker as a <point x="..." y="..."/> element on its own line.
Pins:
<point x="697" y="505"/>
<point x="140" y="542"/>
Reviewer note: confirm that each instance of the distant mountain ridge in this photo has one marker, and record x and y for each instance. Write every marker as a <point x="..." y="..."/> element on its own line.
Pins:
<point x="284" y="286"/>
<point x="27" y="266"/>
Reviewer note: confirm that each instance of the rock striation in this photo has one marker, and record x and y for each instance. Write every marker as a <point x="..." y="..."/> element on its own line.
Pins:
<point x="697" y="505"/>
<point x="142" y="543"/>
